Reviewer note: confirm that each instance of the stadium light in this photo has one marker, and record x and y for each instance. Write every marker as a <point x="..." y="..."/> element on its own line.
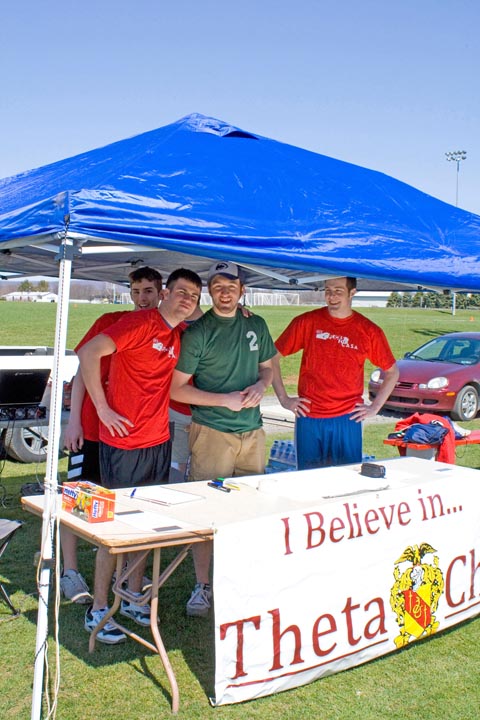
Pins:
<point x="456" y="156"/>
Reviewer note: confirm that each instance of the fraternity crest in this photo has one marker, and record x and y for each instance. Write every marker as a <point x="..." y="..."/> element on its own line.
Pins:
<point x="415" y="594"/>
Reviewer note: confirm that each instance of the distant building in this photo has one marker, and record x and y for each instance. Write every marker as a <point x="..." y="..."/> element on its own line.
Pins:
<point x="371" y="298"/>
<point x="32" y="296"/>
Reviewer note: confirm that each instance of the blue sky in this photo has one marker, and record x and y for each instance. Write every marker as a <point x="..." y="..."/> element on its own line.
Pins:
<point x="387" y="84"/>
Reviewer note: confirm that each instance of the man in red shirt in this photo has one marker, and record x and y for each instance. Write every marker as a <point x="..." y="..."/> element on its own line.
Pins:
<point x="82" y="431"/>
<point x="336" y="341"/>
<point x="133" y="412"/>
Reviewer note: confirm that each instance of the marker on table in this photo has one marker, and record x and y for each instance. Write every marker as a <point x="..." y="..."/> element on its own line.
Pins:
<point x="218" y="486"/>
<point x="228" y="484"/>
<point x="133" y="492"/>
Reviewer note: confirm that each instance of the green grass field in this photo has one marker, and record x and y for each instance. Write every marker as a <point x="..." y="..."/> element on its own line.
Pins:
<point x="436" y="679"/>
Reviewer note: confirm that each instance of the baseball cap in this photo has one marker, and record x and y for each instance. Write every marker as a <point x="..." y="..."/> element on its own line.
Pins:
<point x="226" y="269"/>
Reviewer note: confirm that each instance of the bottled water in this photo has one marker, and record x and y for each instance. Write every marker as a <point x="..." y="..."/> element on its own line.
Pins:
<point x="274" y="451"/>
<point x="282" y="456"/>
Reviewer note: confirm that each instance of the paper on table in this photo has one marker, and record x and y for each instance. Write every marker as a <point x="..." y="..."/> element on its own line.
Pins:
<point x="149" y="521"/>
<point x="362" y="488"/>
<point x="162" y="494"/>
<point x="321" y="484"/>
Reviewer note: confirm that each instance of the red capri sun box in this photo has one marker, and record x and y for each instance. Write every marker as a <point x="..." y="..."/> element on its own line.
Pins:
<point x="88" y="501"/>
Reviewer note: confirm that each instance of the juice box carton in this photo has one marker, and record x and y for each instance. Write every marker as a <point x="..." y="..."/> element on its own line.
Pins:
<point x="88" y="501"/>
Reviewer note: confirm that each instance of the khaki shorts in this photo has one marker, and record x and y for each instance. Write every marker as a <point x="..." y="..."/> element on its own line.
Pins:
<point x="219" y="454"/>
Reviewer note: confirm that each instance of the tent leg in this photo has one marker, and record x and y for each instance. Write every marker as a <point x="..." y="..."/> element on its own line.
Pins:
<point x="50" y="508"/>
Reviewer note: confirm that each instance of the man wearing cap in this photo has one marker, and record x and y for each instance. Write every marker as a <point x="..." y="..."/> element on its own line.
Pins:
<point x="229" y="357"/>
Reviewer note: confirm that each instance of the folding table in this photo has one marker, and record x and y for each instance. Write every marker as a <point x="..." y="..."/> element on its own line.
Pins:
<point x="174" y="524"/>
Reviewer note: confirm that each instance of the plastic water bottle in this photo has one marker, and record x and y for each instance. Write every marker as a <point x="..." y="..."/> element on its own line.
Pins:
<point x="292" y="456"/>
<point x="288" y="453"/>
<point x="273" y="464"/>
<point x="274" y="450"/>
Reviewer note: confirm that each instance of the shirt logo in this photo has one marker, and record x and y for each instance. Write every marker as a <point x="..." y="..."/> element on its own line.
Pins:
<point x="342" y="340"/>
<point x="160" y="347"/>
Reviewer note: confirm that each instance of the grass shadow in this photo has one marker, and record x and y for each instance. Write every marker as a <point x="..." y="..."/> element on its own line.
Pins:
<point x="428" y="332"/>
<point x="190" y="638"/>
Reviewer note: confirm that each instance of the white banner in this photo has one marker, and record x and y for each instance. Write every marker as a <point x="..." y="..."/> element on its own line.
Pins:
<point x="336" y="583"/>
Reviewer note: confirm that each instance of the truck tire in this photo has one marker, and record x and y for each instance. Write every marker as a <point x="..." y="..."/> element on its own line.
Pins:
<point x="28" y="445"/>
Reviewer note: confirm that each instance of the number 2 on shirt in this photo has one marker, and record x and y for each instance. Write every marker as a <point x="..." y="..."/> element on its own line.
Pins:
<point x="252" y="339"/>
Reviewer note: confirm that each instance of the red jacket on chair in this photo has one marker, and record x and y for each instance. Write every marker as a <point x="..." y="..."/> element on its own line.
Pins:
<point x="446" y="451"/>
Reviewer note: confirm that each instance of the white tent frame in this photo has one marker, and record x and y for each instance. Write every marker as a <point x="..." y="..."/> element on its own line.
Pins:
<point x="51" y="485"/>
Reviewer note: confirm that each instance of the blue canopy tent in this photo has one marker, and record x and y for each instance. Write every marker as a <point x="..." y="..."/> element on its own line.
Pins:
<point x="199" y="190"/>
<point x="207" y="190"/>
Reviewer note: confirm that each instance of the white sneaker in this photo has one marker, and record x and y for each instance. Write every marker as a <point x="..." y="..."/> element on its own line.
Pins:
<point x="200" y="601"/>
<point x="138" y="613"/>
<point x="110" y="634"/>
<point x="74" y="587"/>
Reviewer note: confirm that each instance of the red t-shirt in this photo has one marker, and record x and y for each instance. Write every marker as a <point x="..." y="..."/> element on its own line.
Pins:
<point x="89" y="417"/>
<point x="180" y="407"/>
<point x="334" y="354"/>
<point x="140" y="376"/>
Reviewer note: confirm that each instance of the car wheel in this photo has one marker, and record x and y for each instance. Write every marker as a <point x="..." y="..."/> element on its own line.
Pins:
<point x="466" y="404"/>
<point x="28" y="445"/>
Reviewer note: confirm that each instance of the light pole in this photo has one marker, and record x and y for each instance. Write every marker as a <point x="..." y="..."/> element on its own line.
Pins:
<point x="456" y="156"/>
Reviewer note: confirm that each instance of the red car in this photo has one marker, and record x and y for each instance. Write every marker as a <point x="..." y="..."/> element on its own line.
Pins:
<point x="442" y="376"/>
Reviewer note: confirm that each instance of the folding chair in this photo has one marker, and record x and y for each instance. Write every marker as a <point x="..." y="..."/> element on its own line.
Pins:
<point x="7" y="530"/>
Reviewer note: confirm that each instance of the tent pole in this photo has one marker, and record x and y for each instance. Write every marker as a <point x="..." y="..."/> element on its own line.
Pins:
<point x="50" y="506"/>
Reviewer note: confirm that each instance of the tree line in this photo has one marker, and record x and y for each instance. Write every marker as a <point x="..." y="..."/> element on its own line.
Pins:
<point x="79" y="289"/>
<point x="433" y="300"/>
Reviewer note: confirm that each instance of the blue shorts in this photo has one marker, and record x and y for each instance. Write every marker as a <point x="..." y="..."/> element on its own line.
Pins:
<point x="322" y="442"/>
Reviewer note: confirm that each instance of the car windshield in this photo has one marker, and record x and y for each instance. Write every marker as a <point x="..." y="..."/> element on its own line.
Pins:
<point x="463" y="351"/>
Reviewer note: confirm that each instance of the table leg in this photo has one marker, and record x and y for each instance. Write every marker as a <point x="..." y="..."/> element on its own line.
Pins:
<point x="152" y="595"/>
<point x="156" y="632"/>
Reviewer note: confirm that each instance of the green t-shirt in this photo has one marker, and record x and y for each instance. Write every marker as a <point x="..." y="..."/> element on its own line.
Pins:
<point x="223" y="355"/>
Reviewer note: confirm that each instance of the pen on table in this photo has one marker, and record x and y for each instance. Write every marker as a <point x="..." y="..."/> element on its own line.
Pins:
<point x="133" y="492"/>
<point x="232" y="486"/>
<point x="218" y="486"/>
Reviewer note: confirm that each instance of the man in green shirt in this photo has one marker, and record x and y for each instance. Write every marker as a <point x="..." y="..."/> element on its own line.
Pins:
<point x="229" y="357"/>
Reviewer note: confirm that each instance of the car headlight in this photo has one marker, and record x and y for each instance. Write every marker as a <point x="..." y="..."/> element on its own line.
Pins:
<point x="436" y="383"/>
<point x="375" y="376"/>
